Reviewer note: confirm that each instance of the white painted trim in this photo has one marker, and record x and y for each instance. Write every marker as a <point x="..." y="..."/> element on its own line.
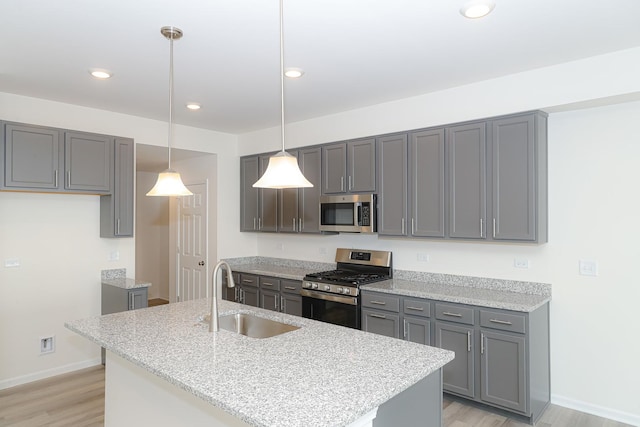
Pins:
<point x="40" y="375"/>
<point x="600" y="411"/>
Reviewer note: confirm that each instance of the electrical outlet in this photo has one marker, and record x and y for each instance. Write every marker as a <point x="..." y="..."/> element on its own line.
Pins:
<point x="280" y="246"/>
<point x="47" y="344"/>
<point x="11" y="262"/>
<point x="521" y="263"/>
<point x="423" y="257"/>
<point x="114" y="256"/>
<point x="323" y="251"/>
<point x="588" y="268"/>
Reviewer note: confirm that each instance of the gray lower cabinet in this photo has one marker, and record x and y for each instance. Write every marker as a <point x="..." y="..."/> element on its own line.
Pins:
<point x="116" y="209"/>
<point x="269" y="293"/>
<point x="349" y="167"/>
<point x="281" y="295"/>
<point x="249" y="290"/>
<point x="502" y="356"/>
<point x="231" y="294"/>
<point x="298" y="210"/>
<point x="258" y="206"/>
<point x="116" y="300"/>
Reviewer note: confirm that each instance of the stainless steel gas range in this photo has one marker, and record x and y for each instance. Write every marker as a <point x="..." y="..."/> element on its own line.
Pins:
<point x="334" y="296"/>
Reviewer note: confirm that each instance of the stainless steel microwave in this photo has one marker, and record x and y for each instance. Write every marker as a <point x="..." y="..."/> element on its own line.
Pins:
<point x="350" y="213"/>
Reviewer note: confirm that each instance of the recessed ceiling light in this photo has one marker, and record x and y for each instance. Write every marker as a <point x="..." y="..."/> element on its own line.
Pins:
<point x="100" y="74"/>
<point x="293" y="73"/>
<point x="193" y="106"/>
<point x="477" y="8"/>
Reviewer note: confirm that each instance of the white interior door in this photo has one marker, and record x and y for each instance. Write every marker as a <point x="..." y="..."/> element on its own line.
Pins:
<point x="192" y="244"/>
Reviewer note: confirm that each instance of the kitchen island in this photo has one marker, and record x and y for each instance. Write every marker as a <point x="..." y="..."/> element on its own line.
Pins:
<point x="164" y="367"/>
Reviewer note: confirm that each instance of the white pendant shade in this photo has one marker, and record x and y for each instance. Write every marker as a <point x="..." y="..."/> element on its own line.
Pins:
<point x="282" y="172"/>
<point x="169" y="184"/>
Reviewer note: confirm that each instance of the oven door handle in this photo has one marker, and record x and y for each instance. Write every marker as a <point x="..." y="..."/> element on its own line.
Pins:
<point x="329" y="297"/>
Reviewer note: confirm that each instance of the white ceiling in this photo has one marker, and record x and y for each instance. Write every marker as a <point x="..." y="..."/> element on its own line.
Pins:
<point x="355" y="52"/>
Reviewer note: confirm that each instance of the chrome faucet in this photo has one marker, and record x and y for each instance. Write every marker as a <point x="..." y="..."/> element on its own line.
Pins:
<point x="213" y="319"/>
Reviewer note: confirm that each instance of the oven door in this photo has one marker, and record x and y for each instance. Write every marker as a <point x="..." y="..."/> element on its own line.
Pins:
<point x="337" y="309"/>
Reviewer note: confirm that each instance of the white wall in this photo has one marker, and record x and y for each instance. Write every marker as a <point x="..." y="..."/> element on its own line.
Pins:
<point x="57" y="239"/>
<point x="152" y="237"/>
<point x="593" y="210"/>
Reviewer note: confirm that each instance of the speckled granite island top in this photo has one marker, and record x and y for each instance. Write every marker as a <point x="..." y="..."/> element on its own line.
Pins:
<point x="319" y="375"/>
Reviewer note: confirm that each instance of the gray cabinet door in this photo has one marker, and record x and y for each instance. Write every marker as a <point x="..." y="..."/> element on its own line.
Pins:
<point x="310" y="161"/>
<point x="457" y="375"/>
<point x="288" y="207"/>
<point x="268" y="202"/>
<point x="427" y="183"/>
<point x="291" y="304"/>
<point x="380" y="322"/>
<point x="466" y="146"/>
<point x="361" y="166"/>
<point x="248" y="194"/>
<point x="417" y="330"/>
<point x="503" y="370"/>
<point x="513" y="178"/>
<point x="334" y="158"/>
<point x="392" y="195"/>
<point x="87" y="162"/>
<point x="270" y="300"/>
<point x="116" y="209"/>
<point x="32" y="157"/>
<point x="250" y="296"/>
<point x="138" y="298"/>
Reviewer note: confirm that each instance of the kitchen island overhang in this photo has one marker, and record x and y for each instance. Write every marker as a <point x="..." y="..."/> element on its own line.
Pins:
<point x="320" y="374"/>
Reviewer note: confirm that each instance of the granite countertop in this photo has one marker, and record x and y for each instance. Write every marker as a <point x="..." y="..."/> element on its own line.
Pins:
<point x="319" y="375"/>
<point x="278" y="267"/>
<point x="478" y="296"/>
<point x="126" y="283"/>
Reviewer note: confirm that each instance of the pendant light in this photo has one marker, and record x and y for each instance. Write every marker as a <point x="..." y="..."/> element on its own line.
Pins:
<point x="169" y="182"/>
<point x="283" y="170"/>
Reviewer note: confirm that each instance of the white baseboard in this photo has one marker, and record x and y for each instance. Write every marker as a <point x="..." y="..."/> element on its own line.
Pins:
<point x="24" y="379"/>
<point x="600" y="411"/>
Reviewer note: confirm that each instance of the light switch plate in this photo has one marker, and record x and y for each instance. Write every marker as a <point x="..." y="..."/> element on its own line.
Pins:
<point x="588" y="267"/>
<point x="114" y="255"/>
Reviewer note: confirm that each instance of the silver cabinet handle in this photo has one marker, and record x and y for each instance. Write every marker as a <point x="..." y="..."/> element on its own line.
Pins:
<point x="241" y="296"/>
<point x="259" y="223"/>
<point x="481" y="227"/>
<point x="118" y="226"/>
<point x="131" y="301"/>
<point x="69" y="178"/>
<point x="268" y="284"/>
<point x="405" y="329"/>
<point x="291" y="288"/>
<point x="415" y="308"/>
<point x="300" y="225"/>
<point x="283" y="308"/>
<point x="502" y="322"/>
<point x="379" y="316"/>
<point x="447" y="313"/>
<point x="412" y="227"/>
<point x="481" y="343"/>
<point x="402" y="226"/>
<point x="378" y="302"/>
<point x="468" y="341"/>
<point x="236" y="295"/>
<point x="247" y="281"/>
<point x="342" y="183"/>
<point x="350" y="186"/>
<point x="494" y="228"/>
<point x="254" y="223"/>
<point x="275" y="303"/>
<point x="55" y="178"/>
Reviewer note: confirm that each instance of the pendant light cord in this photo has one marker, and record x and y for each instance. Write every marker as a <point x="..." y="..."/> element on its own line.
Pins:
<point x="170" y="95"/>
<point x="282" y="74"/>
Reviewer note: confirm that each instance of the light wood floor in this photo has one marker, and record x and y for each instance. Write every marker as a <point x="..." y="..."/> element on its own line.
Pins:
<point x="77" y="399"/>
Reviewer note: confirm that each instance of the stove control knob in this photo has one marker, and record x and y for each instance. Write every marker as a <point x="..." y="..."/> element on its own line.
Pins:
<point x="340" y="290"/>
<point x="346" y="291"/>
<point x="313" y="285"/>
<point x="327" y="287"/>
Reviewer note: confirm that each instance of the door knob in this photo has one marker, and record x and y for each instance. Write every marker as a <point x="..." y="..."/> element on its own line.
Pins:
<point x="201" y="263"/>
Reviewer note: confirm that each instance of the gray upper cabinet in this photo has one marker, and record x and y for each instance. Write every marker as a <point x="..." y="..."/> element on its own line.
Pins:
<point x="87" y="162"/>
<point x="349" y="167"/>
<point x="258" y="206"/>
<point x="392" y="195"/>
<point x="268" y="202"/>
<point x="116" y="209"/>
<point x="249" y="168"/>
<point x="519" y="178"/>
<point x="32" y="157"/>
<point x="427" y="183"/>
<point x="467" y="153"/>
<point x="298" y="210"/>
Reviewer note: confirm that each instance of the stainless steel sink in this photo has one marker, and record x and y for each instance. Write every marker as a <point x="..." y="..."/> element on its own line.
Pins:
<point x="254" y="326"/>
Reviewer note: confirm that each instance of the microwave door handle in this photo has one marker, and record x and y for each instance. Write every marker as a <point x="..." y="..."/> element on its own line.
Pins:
<point x="358" y="214"/>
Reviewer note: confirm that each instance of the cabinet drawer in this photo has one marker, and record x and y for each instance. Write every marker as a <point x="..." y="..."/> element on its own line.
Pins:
<point x="503" y="321"/>
<point x="454" y="313"/>
<point x="417" y="307"/>
<point x="381" y="302"/>
<point x="291" y="286"/>
<point x="269" y="283"/>
<point x="248" y="280"/>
